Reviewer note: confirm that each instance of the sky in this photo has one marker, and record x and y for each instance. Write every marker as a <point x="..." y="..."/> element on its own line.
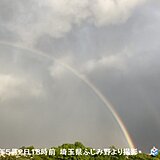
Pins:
<point x="115" y="44"/>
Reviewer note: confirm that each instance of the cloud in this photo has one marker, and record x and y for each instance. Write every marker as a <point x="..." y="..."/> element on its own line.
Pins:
<point x="57" y="69"/>
<point x="12" y="86"/>
<point x="33" y="18"/>
<point x="116" y="61"/>
<point x="107" y="12"/>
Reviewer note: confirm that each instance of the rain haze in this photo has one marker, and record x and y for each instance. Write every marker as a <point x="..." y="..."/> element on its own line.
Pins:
<point x="114" y="44"/>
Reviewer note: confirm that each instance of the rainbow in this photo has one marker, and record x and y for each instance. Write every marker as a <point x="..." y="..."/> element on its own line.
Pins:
<point x="85" y="80"/>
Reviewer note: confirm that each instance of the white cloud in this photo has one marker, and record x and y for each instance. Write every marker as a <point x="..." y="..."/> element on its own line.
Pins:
<point x="33" y="18"/>
<point x="13" y="87"/>
<point x="113" y="11"/>
<point x="47" y="17"/>
<point x="117" y="61"/>
<point x="58" y="68"/>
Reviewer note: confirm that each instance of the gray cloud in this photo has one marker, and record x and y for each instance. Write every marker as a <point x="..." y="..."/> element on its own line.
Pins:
<point x="114" y="43"/>
<point x="34" y="18"/>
